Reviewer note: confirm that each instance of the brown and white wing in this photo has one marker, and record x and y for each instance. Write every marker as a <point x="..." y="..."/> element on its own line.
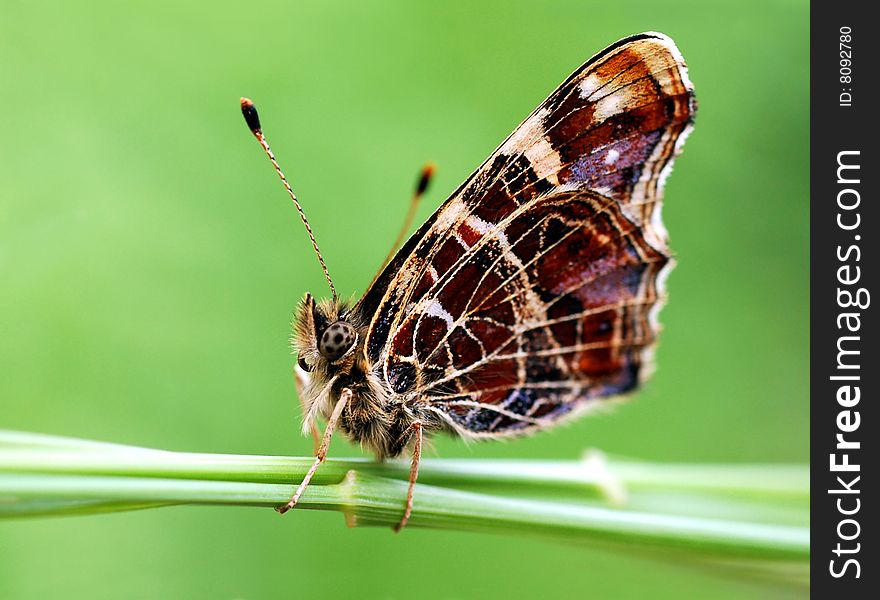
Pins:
<point x="533" y="288"/>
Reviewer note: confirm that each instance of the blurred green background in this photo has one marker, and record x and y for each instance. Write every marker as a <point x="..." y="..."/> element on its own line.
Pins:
<point x="150" y="261"/>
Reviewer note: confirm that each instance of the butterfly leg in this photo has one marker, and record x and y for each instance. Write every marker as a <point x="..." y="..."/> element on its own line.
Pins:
<point x="413" y="475"/>
<point x="344" y="397"/>
<point x="300" y="377"/>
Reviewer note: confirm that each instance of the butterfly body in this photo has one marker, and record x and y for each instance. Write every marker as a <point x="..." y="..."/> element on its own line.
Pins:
<point x="375" y="417"/>
<point x="531" y="295"/>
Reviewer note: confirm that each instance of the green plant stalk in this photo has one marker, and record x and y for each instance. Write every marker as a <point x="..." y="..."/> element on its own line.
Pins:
<point x="596" y="476"/>
<point x="747" y="517"/>
<point x="680" y="490"/>
<point x="378" y="501"/>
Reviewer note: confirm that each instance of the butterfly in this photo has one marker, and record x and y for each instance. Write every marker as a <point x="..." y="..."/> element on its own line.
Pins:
<point x="531" y="295"/>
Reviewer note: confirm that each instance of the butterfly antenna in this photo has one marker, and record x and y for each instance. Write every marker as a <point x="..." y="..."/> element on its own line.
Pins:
<point x="424" y="180"/>
<point x="253" y="122"/>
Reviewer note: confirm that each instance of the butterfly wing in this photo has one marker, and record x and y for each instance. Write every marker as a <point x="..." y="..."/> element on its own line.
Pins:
<point x="533" y="289"/>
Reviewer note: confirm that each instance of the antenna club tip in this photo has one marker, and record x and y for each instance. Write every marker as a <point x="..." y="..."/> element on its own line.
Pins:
<point x="249" y="111"/>
<point x="425" y="178"/>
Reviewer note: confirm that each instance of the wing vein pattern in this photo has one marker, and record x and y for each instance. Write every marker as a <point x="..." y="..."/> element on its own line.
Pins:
<point x="532" y="292"/>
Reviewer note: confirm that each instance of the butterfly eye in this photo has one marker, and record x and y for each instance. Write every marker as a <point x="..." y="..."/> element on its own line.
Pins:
<point x="304" y="365"/>
<point x="337" y="340"/>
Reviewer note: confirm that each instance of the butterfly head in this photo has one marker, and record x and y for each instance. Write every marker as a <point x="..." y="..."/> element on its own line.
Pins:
<point x="324" y="338"/>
